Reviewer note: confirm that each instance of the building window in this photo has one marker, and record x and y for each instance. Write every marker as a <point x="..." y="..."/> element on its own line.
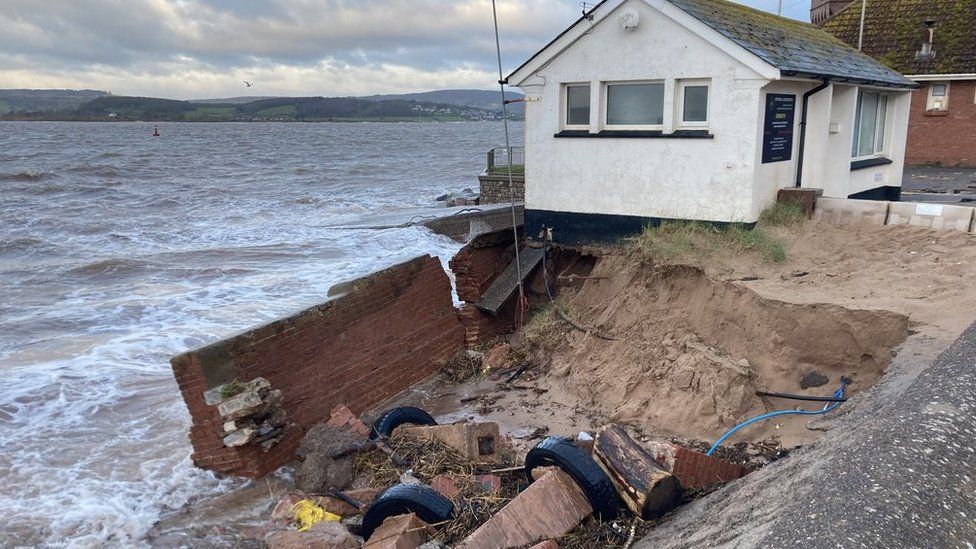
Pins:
<point x="635" y="105"/>
<point x="578" y="106"/>
<point x="938" y="96"/>
<point x="693" y="103"/>
<point x="870" y="124"/>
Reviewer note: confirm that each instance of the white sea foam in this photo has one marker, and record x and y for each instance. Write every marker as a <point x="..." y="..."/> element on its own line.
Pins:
<point x="94" y="303"/>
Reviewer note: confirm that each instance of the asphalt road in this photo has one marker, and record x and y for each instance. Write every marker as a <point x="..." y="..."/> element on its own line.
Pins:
<point x="896" y="469"/>
<point x="946" y="185"/>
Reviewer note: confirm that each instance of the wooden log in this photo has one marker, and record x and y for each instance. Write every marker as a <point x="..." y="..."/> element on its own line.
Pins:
<point x="647" y="488"/>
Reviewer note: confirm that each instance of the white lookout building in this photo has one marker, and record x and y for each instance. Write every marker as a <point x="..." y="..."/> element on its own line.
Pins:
<point x="646" y="110"/>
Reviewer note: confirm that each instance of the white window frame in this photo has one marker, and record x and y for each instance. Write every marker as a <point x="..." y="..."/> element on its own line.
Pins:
<point x="930" y="102"/>
<point x="564" y="94"/>
<point x="884" y="131"/>
<point x="679" y="115"/>
<point x="605" y="105"/>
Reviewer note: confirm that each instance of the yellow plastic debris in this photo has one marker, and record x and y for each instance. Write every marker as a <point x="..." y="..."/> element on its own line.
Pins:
<point x="306" y="513"/>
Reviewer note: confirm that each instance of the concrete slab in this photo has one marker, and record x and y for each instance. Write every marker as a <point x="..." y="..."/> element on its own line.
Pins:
<point x="940" y="217"/>
<point x="502" y="289"/>
<point x="843" y="211"/>
<point x="460" y="222"/>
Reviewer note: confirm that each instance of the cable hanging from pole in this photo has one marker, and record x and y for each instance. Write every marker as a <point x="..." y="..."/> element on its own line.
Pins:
<point x="522" y="303"/>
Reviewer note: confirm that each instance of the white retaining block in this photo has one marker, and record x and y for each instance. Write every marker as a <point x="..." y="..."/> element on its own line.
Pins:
<point x="844" y="211"/>
<point x="940" y="217"/>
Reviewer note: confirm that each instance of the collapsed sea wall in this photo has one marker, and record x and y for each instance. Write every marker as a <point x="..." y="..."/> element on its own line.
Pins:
<point x="375" y="337"/>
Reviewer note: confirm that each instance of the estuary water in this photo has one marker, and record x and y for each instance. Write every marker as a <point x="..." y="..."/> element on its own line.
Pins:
<point x="119" y="250"/>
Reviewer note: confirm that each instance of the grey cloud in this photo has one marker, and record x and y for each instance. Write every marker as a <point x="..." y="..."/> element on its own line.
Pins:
<point x="164" y="38"/>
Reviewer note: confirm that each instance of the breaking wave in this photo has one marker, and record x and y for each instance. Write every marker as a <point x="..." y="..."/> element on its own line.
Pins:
<point x="157" y="246"/>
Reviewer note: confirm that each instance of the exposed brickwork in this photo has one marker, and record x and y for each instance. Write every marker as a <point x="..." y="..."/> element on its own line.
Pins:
<point x="480" y="261"/>
<point x="385" y="334"/>
<point x="694" y="469"/>
<point x="697" y="470"/>
<point x="475" y="266"/>
<point x="943" y="137"/>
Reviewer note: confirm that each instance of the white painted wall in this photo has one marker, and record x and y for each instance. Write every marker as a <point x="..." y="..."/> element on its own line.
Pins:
<point x="705" y="179"/>
<point x="720" y="179"/>
<point x="899" y="104"/>
<point x="771" y="177"/>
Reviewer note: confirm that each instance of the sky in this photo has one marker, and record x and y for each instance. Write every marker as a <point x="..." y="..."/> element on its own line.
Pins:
<point x="196" y="49"/>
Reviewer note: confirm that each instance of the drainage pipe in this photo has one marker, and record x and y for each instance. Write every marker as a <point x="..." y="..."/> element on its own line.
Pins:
<point x="838" y="394"/>
<point x="803" y="130"/>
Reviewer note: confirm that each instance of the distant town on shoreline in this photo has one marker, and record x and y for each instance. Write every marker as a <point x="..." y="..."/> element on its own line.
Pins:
<point x="102" y="106"/>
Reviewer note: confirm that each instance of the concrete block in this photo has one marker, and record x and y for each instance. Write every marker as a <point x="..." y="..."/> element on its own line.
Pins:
<point x="475" y="441"/>
<point x="399" y="532"/>
<point x="940" y="217"/>
<point x="694" y="469"/>
<point x="844" y="211"/>
<point x="324" y="535"/>
<point x="550" y="507"/>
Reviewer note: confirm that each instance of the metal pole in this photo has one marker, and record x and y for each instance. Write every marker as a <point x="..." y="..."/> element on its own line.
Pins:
<point x="508" y="150"/>
<point x="860" y="34"/>
<point x="779" y="11"/>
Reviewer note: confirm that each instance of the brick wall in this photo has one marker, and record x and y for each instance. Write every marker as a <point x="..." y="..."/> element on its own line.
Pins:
<point x="945" y="137"/>
<point x="475" y="266"/>
<point x="385" y="333"/>
<point x="494" y="189"/>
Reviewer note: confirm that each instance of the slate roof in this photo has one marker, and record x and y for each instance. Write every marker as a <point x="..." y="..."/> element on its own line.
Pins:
<point x="794" y="47"/>
<point x="894" y="31"/>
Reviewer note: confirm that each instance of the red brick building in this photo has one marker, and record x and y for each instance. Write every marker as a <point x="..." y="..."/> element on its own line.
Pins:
<point x="933" y="42"/>
<point x="822" y="10"/>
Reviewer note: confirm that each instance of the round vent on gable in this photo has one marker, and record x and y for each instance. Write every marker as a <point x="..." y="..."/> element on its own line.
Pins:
<point x="629" y="20"/>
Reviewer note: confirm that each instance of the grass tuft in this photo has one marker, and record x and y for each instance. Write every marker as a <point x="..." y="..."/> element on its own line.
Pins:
<point x="783" y="214"/>
<point x="694" y="240"/>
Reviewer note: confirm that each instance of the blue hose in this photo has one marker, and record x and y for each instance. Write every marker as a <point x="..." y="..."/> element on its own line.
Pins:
<point x="839" y="393"/>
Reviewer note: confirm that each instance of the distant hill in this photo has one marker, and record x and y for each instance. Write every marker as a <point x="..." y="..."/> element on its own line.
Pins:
<point x="481" y="99"/>
<point x="118" y="107"/>
<point x="235" y="100"/>
<point x="34" y="101"/>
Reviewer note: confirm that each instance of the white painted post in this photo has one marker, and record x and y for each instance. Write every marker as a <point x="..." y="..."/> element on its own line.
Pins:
<point x="860" y="34"/>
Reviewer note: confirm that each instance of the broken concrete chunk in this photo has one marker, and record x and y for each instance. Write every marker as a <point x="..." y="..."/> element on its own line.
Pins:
<point x="230" y="426"/>
<point x="239" y="438"/>
<point x="220" y="393"/>
<point x="548" y="544"/>
<point x="474" y="441"/>
<point x="550" y="507"/>
<point x="320" y="473"/>
<point x="328" y="440"/>
<point x="240" y="406"/>
<point x="323" y="535"/>
<point x="399" y="532"/>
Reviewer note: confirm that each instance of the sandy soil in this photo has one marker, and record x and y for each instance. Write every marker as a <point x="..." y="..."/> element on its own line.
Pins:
<point x="694" y="343"/>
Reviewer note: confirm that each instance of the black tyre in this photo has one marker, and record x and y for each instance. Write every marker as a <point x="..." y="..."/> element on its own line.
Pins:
<point x="391" y="419"/>
<point x="401" y="499"/>
<point x="565" y="454"/>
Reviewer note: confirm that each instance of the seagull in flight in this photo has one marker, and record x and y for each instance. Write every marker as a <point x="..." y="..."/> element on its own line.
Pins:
<point x="248" y="84"/>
